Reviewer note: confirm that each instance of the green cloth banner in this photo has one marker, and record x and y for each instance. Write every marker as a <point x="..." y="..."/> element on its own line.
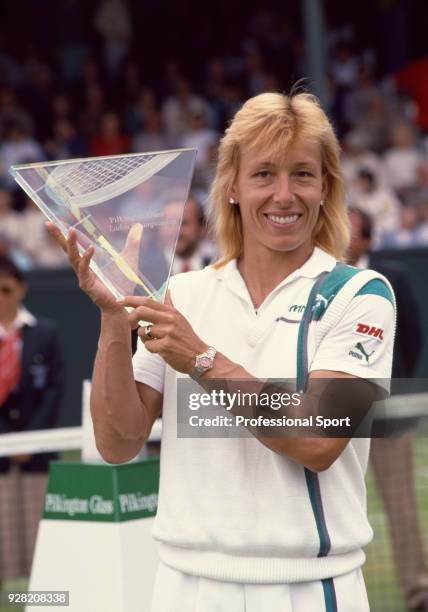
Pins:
<point x="102" y="493"/>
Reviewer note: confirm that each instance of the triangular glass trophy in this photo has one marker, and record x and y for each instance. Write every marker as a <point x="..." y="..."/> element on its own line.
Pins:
<point x="128" y="207"/>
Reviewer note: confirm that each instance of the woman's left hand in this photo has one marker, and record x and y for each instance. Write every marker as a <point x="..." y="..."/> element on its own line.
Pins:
<point x="170" y="334"/>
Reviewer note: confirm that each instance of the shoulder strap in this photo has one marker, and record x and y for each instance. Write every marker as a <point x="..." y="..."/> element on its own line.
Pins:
<point x="302" y="339"/>
<point x="329" y="297"/>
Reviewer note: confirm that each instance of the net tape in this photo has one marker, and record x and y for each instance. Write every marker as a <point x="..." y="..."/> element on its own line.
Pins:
<point x="47" y="440"/>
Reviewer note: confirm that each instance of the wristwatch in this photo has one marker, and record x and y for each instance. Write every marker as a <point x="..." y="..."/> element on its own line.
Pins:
<point x="203" y="363"/>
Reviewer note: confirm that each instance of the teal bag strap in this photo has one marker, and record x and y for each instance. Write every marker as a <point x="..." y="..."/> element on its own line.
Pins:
<point x="323" y="291"/>
<point x="302" y="339"/>
<point x="312" y="481"/>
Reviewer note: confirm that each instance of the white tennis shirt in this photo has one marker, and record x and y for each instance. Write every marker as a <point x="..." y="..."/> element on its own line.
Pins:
<point x="232" y="509"/>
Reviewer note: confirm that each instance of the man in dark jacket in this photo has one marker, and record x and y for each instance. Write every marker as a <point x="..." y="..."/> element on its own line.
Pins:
<point x="31" y="369"/>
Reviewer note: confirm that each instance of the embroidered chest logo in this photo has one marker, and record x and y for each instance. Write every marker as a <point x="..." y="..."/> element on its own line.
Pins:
<point x="297" y="308"/>
<point x="369" y="330"/>
<point x="362" y="354"/>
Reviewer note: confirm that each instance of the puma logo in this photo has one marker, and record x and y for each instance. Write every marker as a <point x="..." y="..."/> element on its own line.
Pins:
<point x="361" y="348"/>
<point x="321" y="302"/>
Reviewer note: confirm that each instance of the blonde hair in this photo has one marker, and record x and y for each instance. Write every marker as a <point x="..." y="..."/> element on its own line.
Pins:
<point x="273" y="121"/>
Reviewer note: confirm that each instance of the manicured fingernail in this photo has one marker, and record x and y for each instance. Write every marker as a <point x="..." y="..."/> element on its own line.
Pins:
<point x="136" y="230"/>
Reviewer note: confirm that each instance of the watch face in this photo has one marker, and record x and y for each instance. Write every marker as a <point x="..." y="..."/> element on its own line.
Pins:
<point x="204" y="362"/>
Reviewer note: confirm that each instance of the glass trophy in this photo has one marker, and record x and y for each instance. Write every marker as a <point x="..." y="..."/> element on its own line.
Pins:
<point x="128" y="207"/>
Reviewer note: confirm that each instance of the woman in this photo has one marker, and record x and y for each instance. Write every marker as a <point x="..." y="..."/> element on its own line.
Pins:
<point x="256" y="523"/>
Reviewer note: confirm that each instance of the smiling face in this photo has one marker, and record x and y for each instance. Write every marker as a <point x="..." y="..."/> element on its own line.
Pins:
<point x="279" y="199"/>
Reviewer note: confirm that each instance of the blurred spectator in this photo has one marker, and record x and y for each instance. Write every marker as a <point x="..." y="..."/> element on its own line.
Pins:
<point x="230" y="100"/>
<point x="113" y="22"/>
<point x="405" y="235"/>
<point x="137" y="113"/>
<point x="24" y="236"/>
<point x="412" y="79"/>
<point x="31" y="379"/>
<point x="364" y="94"/>
<point x="7" y="213"/>
<point x="260" y="22"/>
<point x="89" y="76"/>
<point x="61" y="107"/>
<point x="223" y="93"/>
<point x="204" y="175"/>
<point x="73" y="31"/>
<point x="201" y="137"/>
<point x="7" y="249"/>
<point x="254" y="66"/>
<point x="423" y="175"/>
<point x="65" y="142"/>
<point x="376" y="122"/>
<point x="8" y="230"/>
<point x="193" y="251"/>
<point x="89" y="120"/>
<point x="37" y="92"/>
<point x="421" y="238"/>
<point x="356" y="155"/>
<point x="379" y="203"/>
<point x="171" y="77"/>
<point x="128" y="83"/>
<point x="178" y="110"/>
<point x="10" y="70"/>
<point x="278" y="49"/>
<point x="17" y="148"/>
<point x="344" y="67"/>
<point x="215" y="78"/>
<point x="11" y="112"/>
<point x="27" y="231"/>
<point x="344" y="72"/>
<point x="151" y="137"/>
<point x="111" y="140"/>
<point x="402" y="159"/>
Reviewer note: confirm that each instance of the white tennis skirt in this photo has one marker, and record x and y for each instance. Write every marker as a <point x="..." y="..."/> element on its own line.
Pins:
<point x="178" y="592"/>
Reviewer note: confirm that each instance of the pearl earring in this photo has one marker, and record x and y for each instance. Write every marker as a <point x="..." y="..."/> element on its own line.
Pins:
<point x="322" y="203"/>
<point x="231" y="201"/>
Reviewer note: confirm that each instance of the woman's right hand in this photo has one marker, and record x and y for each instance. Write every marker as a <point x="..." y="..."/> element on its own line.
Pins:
<point x="88" y="280"/>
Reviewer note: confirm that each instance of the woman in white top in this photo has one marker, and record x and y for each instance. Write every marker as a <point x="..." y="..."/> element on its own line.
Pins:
<point x="253" y="523"/>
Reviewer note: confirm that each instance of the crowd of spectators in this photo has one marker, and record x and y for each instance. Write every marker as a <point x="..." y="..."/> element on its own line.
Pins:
<point x="99" y="101"/>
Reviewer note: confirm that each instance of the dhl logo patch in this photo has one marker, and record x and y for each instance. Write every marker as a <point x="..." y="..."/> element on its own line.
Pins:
<point x="369" y="330"/>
